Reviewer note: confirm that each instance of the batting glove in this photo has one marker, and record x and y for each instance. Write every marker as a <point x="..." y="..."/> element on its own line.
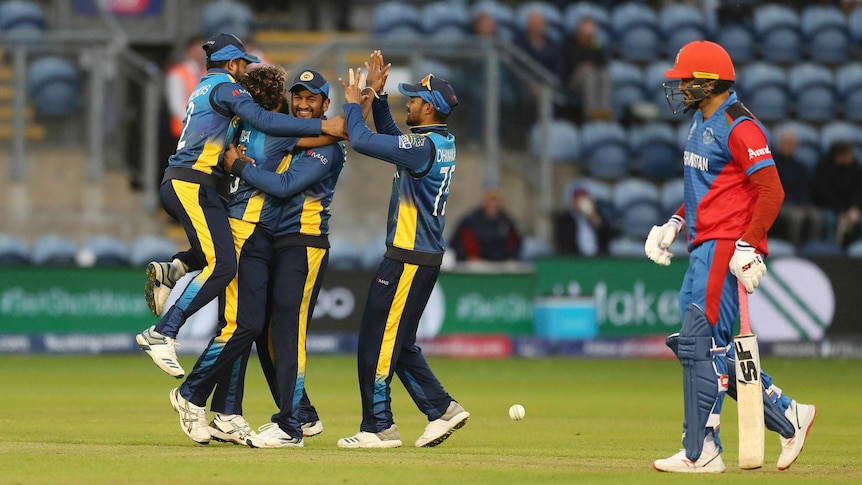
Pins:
<point x="747" y="265"/>
<point x="660" y="238"/>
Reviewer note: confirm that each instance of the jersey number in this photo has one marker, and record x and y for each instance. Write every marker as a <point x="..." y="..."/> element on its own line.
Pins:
<point x="190" y="108"/>
<point x="444" y="189"/>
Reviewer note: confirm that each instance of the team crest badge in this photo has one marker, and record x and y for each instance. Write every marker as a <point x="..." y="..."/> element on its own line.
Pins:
<point x="306" y="76"/>
<point x="708" y="136"/>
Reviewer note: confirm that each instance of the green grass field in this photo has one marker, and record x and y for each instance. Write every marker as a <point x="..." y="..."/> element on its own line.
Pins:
<point x="107" y="419"/>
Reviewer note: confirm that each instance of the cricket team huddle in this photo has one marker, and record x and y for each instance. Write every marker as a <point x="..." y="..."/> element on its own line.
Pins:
<point x="252" y="180"/>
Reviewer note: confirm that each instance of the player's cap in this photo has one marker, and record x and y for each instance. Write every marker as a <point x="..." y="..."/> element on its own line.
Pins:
<point x="702" y="59"/>
<point x="434" y="90"/>
<point x="226" y="47"/>
<point x="312" y="81"/>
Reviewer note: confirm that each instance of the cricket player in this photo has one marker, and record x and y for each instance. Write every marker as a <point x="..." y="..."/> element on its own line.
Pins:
<point x="732" y="196"/>
<point x="189" y="193"/>
<point x="424" y="164"/>
<point x="287" y="206"/>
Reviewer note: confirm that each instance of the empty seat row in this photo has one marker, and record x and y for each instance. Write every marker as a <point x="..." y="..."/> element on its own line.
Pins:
<point x="99" y="250"/>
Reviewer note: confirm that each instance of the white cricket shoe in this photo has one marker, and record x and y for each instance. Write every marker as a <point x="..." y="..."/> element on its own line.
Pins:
<point x="312" y="428"/>
<point x="439" y="430"/>
<point x="364" y="439"/>
<point x="158" y="286"/>
<point x="802" y="416"/>
<point x="193" y="419"/>
<point x="163" y="351"/>
<point x="270" y="435"/>
<point x="235" y="430"/>
<point x="709" y="462"/>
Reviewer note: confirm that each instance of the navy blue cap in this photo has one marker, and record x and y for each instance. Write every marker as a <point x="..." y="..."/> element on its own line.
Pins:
<point x="434" y="90"/>
<point x="312" y="81"/>
<point x="226" y="47"/>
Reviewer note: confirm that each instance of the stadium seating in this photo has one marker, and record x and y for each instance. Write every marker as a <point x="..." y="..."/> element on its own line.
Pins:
<point x="820" y="249"/>
<point x="841" y="131"/>
<point x="632" y="191"/>
<point x="13" y="251"/>
<point x="824" y="29"/>
<point x="654" y="78"/>
<point x="848" y="87"/>
<point x="812" y="88"/>
<point x="21" y="19"/>
<point x="777" y="29"/>
<point x="444" y="18"/>
<point x="854" y="25"/>
<point x="344" y="255"/>
<point x="808" y="151"/>
<point x="738" y="41"/>
<point x="655" y="151"/>
<point x="577" y="11"/>
<point x="598" y="190"/>
<point x="533" y="248"/>
<point x="635" y="28"/>
<point x="53" y="250"/>
<point x="779" y="248"/>
<point x="227" y="16"/>
<point x="552" y="15"/>
<point x="605" y="148"/>
<point x="54" y="86"/>
<point x="563" y="141"/>
<point x="854" y="250"/>
<point x="627" y="82"/>
<point x="638" y="219"/>
<point x="503" y="14"/>
<point x="626" y="247"/>
<point x="680" y="24"/>
<point x="764" y="91"/>
<point x="103" y="250"/>
<point x="672" y="195"/>
<point x="151" y="248"/>
<point x="395" y="18"/>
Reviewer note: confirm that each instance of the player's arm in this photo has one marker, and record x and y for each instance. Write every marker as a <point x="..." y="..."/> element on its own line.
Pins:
<point x="232" y="98"/>
<point x="414" y="152"/>
<point x="323" y="140"/>
<point x="301" y="174"/>
<point x="383" y="121"/>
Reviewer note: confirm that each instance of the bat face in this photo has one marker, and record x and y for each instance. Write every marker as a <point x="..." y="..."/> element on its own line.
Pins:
<point x="749" y="396"/>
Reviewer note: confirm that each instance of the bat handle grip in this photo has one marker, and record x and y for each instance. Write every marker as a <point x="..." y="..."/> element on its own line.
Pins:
<point x="744" y="323"/>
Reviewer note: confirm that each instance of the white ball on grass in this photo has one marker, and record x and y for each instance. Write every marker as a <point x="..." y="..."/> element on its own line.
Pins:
<point x="517" y="412"/>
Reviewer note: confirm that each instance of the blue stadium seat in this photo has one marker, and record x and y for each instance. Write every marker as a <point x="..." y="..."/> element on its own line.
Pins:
<point x="625" y="247"/>
<point x="599" y="190"/>
<point x="54" y="86"/>
<point x="13" y="251"/>
<point x="103" y="250"/>
<point x="764" y="91"/>
<point x="503" y="14"/>
<point x="848" y="86"/>
<point x="841" y="131"/>
<point x="344" y="255"/>
<point x="777" y="28"/>
<point x="854" y="250"/>
<point x="151" y="248"/>
<point x="824" y="29"/>
<point x="577" y="11"/>
<point x="821" y="249"/>
<point x="395" y="18"/>
<point x="227" y="16"/>
<point x="680" y="24"/>
<point x="605" y="148"/>
<point x="563" y="141"/>
<point x="738" y="40"/>
<point x="627" y="82"/>
<point x="854" y="25"/>
<point x="533" y="248"/>
<point x="808" y="151"/>
<point x="812" y="88"/>
<point x="653" y="79"/>
<point x="638" y="219"/>
<point x="635" y="28"/>
<point x="630" y="191"/>
<point x="553" y="17"/>
<point x="672" y="195"/>
<point x="21" y="19"/>
<point x="779" y="248"/>
<point x="53" y="250"/>
<point x="439" y="18"/>
<point x="655" y="152"/>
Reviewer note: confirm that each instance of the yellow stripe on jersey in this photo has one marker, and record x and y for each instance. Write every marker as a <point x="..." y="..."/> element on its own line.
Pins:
<point x="254" y="207"/>
<point x="309" y="221"/>
<point x="241" y="231"/>
<point x="285" y="163"/>
<point x="315" y="260"/>
<point x="396" y="310"/>
<point x="405" y="228"/>
<point x="209" y="156"/>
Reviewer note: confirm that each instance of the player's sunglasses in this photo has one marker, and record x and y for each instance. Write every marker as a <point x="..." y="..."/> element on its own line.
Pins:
<point x="437" y="99"/>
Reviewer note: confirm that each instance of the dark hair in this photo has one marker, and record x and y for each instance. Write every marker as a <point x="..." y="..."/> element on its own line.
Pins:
<point x="216" y="64"/>
<point x="721" y="85"/>
<point x="266" y="85"/>
<point x="838" y="147"/>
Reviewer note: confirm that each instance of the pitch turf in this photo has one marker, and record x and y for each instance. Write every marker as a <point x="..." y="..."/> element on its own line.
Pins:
<point x="107" y="419"/>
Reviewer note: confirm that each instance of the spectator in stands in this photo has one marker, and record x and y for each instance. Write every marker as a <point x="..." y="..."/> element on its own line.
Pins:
<point x="837" y="187"/>
<point x="487" y="233"/>
<point x="536" y="42"/>
<point x="580" y="230"/>
<point x="800" y="220"/>
<point x="180" y="81"/>
<point x="585" y="75"/>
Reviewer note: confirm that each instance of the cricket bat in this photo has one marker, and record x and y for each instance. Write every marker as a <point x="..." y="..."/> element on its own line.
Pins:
<point x="749" y="391"/>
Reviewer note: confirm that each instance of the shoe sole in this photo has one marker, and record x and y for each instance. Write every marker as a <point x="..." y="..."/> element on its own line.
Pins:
<point x="444" y="437"/>
<point x="145" y="346"/>
<point x="176" y="405"/>
<point x="250" y="443"/>
<point x="309" y="432"/>
<point x="380" y="444"/>
<point x="224" y="437"/>
<point x="804" y="439"/>
<point x="153" y="280"/>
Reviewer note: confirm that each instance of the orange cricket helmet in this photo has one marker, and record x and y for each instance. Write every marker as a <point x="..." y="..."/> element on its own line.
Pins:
<point x="702" y="59"/>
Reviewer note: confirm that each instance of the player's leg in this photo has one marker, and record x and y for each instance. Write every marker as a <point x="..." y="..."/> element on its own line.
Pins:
<point x="444" y="414"/>
<point x="163" y="276"/>
<point x="701" y="350"/>
<point x="228" y="425"/>
<point x="377" y="354"/>
<point x="297" y="273"/>
<point x="308" y="416"/>
<point x="203" y="216"/>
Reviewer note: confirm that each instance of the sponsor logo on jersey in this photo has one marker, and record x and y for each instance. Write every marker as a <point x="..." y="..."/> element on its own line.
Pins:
<point x="381" y="281"/>
<point x="312" y="153"/>
<point x="245" y="136"/>
<point x="708" y="136"/>
<point x="695" y="161"/>
<point x="407" y="142"/>
<point x="200" y="91"/>
<point x="760" y="152"/>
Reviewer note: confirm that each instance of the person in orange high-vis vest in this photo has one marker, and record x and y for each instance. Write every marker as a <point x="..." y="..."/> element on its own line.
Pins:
<point x="180" y="81"/>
